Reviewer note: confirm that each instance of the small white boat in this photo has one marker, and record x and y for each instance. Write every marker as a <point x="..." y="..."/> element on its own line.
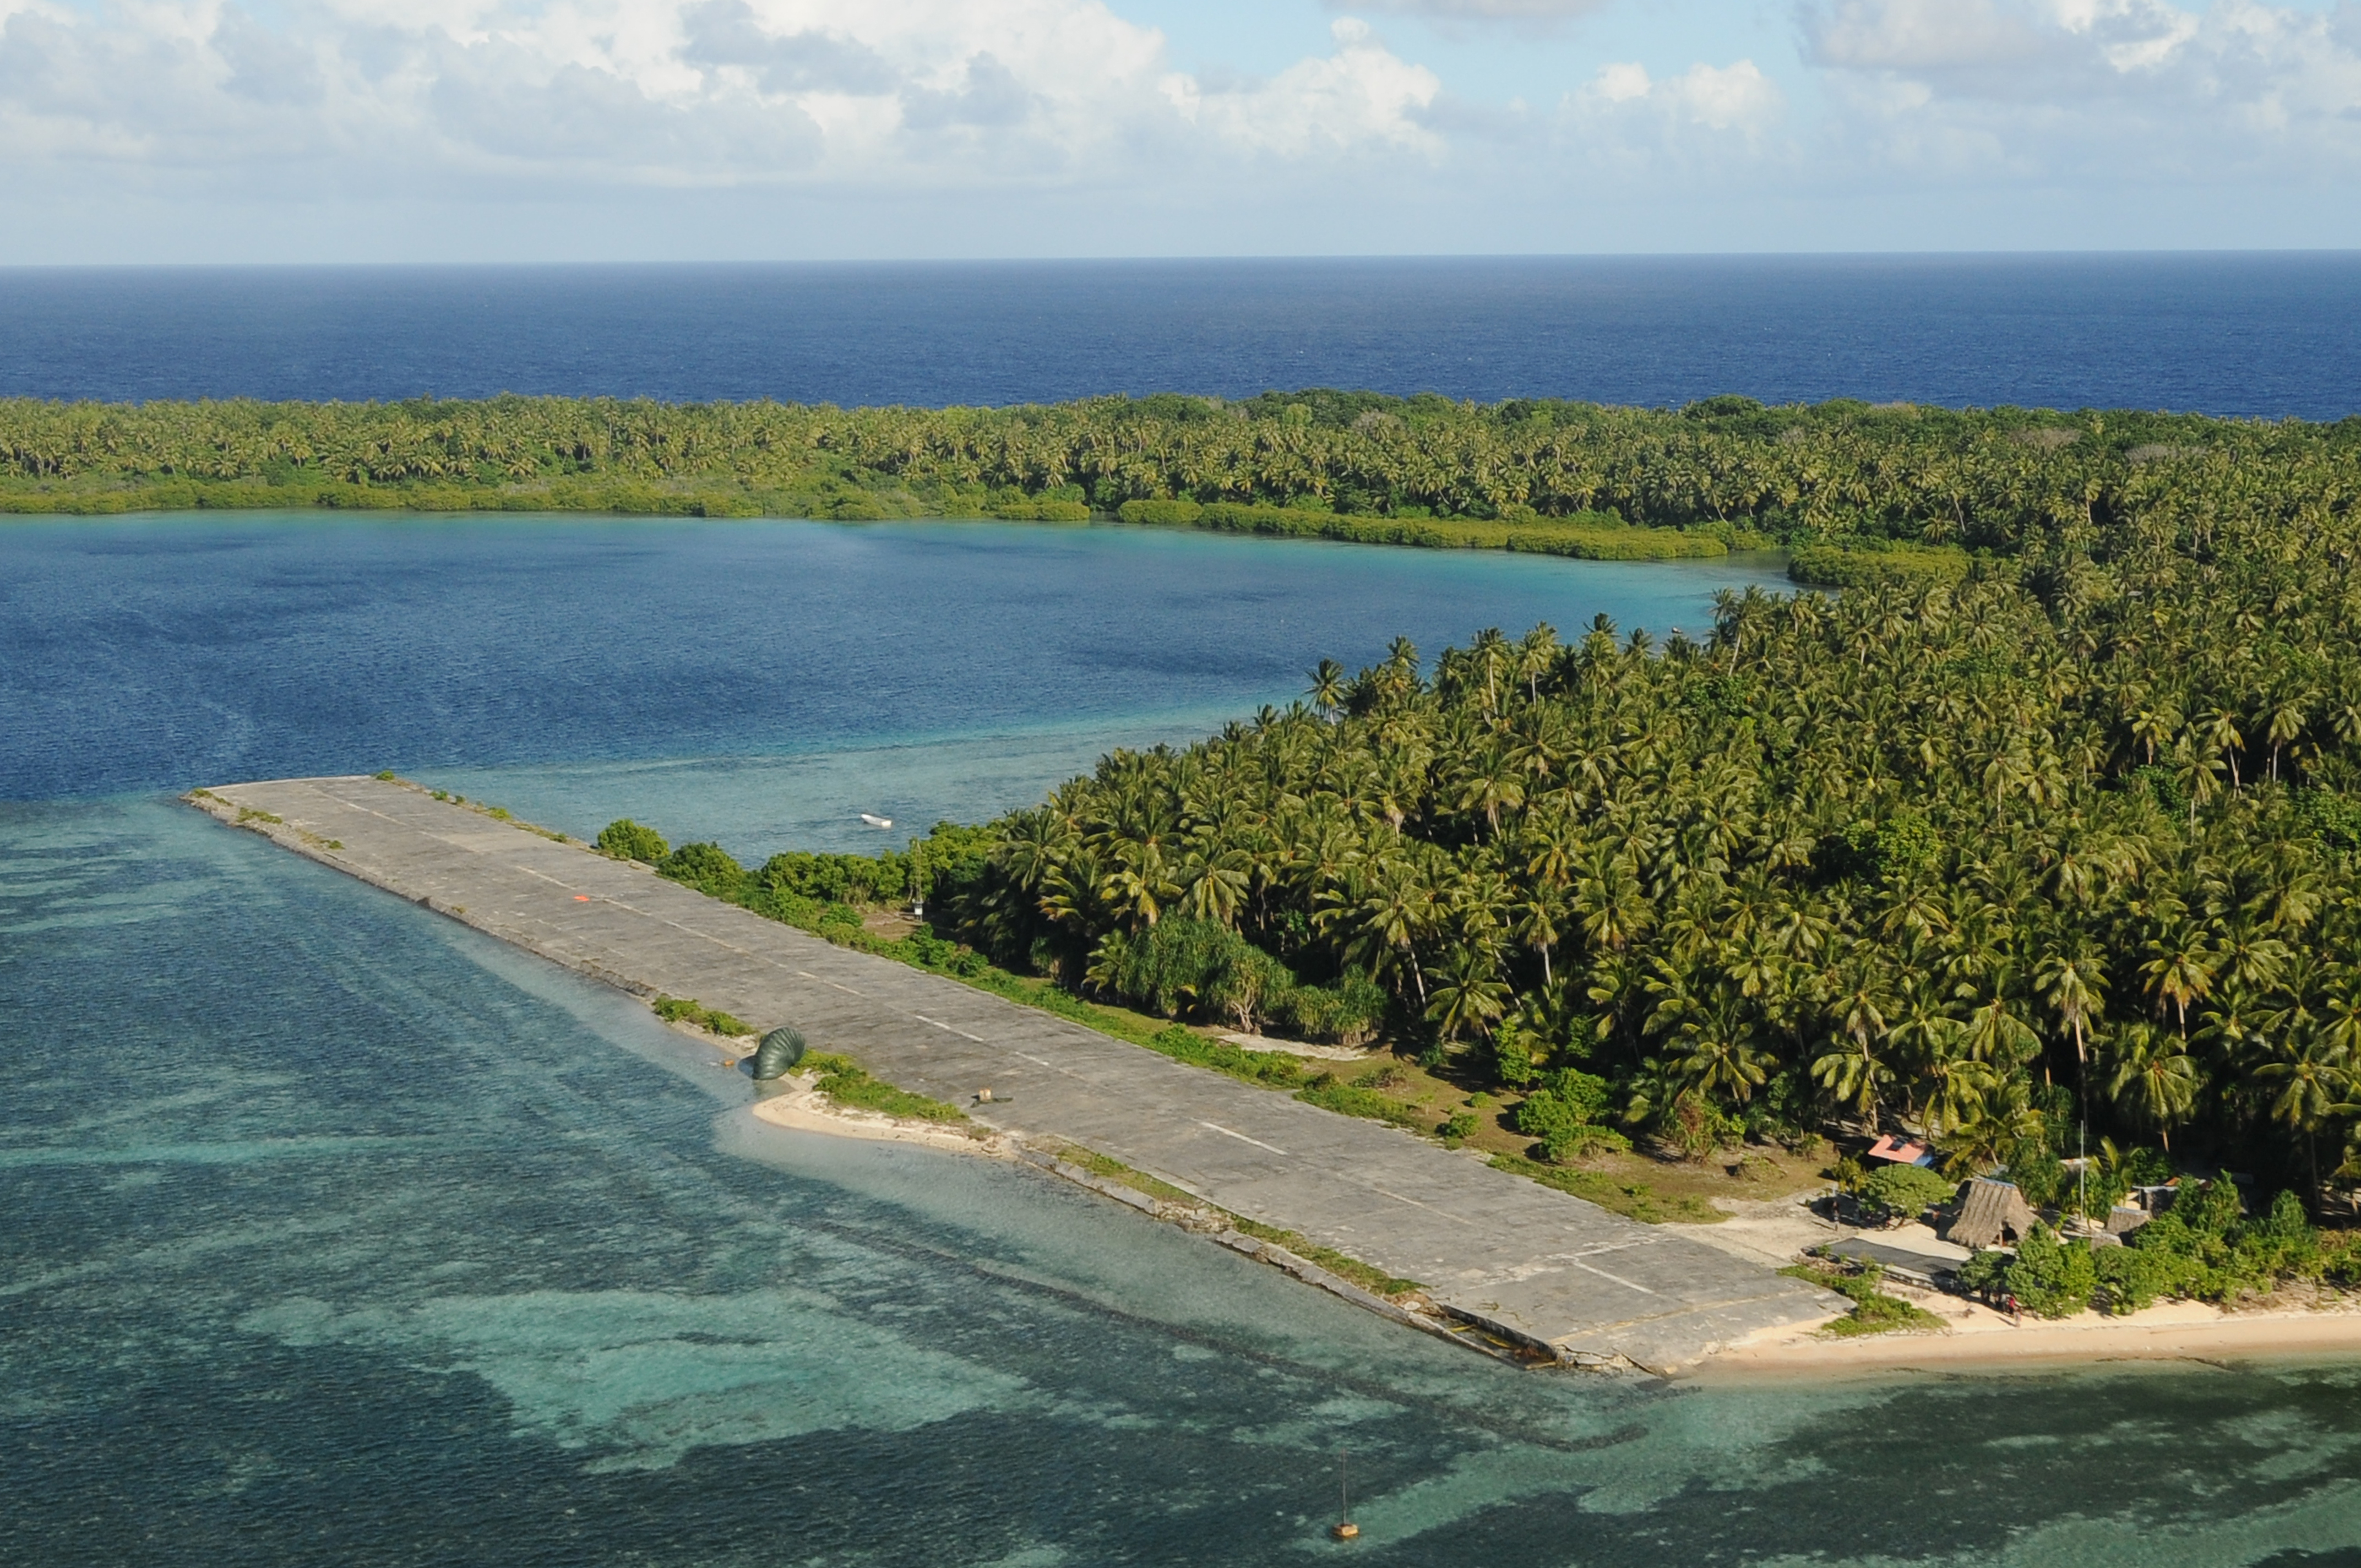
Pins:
<point x="875" y="821"/>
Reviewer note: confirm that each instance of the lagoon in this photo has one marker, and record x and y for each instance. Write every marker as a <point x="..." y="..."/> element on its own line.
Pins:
<point x="339" y="1233"/>
<point x="758" y="681"/>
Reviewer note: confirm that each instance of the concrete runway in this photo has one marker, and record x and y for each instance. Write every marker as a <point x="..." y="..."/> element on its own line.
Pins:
<point x="1530" y="1262"/>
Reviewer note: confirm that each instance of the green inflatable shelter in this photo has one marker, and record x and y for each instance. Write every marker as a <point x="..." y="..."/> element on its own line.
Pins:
<point x="777" y="1054"/>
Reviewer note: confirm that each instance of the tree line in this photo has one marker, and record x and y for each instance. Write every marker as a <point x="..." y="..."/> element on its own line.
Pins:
<point x="1980" y="480"/>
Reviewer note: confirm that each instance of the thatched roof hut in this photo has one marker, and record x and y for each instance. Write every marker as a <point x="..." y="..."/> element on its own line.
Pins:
<point x="1991" y="1214"/>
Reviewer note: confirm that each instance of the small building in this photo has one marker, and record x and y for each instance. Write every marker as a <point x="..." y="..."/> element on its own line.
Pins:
<point x="1891" y="1149"/>
<point x="1991" y="1214"/>
<point x="2126" y="1217"/>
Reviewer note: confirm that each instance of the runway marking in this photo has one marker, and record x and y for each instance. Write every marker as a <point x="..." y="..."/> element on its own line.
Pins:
<point x="1244" y="1139"/>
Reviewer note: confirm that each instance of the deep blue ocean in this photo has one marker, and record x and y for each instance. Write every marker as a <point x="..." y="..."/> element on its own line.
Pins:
<point x="2265" y="335"/>
<point x="337" y="1233"/>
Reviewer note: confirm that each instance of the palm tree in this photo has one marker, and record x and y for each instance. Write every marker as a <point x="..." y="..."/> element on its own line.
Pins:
<point x="2155" y="1075"/>
<point x="1468" y="995"/>
<point x="1327" y="691"/>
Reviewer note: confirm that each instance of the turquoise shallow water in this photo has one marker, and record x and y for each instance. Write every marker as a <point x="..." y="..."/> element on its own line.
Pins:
<point x="337" y="1233"/>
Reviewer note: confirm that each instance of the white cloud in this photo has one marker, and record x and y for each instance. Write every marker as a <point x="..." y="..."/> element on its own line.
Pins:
<point x="1487" y="10"/>
<point x="1360" y="95"/>
<point x="2052" y="87"/>
<point x="1735" y="97"/>
<point x="667" y="91"/>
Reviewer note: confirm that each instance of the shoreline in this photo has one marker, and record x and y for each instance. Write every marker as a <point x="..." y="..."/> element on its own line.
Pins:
<point x="799" y="1106"/>
<point x="1977" y="1340"/>
<point x="2177" y="1331"/>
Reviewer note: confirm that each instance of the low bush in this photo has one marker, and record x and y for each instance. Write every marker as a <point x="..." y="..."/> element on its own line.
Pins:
<point x="627" y="840"/>
<point x="1581" y="1142"/>
<point x="1160" y="514"/>
<point x="1331" y="1094"/>
<point x="1562" y="1114"/>
<point x="839" y="879"/>
<point x="1348" y="1012"/>
<point x="2051" y="1278"/>
<point x="2205" y="1247"/>
<point x="1906" y="1190"/>
<point x="708" y="869"/>
<point x="2130" y="1278"/>
<point x="1597" y="536"/>
<point x="1042" y="510"/>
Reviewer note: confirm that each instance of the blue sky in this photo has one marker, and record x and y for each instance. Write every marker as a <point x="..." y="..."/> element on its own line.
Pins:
<point x="240" y="130"/>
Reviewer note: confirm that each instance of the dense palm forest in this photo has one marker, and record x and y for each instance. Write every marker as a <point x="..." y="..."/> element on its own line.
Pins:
<point x="1978" y="480"/>
<point x="2075" y="836"/>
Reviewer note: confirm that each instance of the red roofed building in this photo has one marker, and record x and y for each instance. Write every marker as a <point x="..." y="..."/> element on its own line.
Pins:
<point x="1892" y="1150"/>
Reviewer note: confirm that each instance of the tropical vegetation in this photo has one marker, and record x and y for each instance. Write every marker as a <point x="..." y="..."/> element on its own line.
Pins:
<point x="1928" y="485"/>
<point x="2059" y="852"/>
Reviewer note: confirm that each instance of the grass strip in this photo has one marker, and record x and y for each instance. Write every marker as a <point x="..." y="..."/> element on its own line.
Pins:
<point x="1377" y="1281"/>
<point x="1111" y="1169"/>
<point x="681" y="1010"/>
<point x="1621" y="1198"/>
<point x="1873" y="1311"/>
<point x="1351" y="1100"/>
<point x="846" y="1083"/>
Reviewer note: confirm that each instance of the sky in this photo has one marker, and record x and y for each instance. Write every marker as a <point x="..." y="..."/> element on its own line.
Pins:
<point x="144" y="131"/>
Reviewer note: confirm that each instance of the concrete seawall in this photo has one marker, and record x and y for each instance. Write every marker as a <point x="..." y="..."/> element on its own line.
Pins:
<point x="1532" y="1264"/>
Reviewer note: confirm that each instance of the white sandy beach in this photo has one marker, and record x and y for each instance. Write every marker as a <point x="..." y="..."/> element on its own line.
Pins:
<point x="799" y="1104"/>
<point x="1976" y="1338"/>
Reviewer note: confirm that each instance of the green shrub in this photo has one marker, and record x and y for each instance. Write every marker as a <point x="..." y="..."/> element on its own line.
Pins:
<point x="2050" y="1278"/>
<point x="709" y="870"/>
<point x="2130" y="1278"/>
<point x="839" y="879"/>
<point x="1042" y="510"/>
<point x="1906" y="1190"/>
<point x="1459" y="1128"/>
<point x="1193" y="966"/>
<point x="1985" y="1273"/>
<point x="1564" y="1116"/>
<point x="627" y="840"/>
<point x="1160" y="514"/>
<point x="1349" y="1012"/>
<point x="1583" y="1140"/>
<point x="1346" y="1099"/>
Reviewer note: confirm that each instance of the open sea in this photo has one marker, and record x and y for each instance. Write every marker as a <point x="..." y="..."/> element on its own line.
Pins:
<point x="338" y="1234"/>
<point x="2252" y="336"/>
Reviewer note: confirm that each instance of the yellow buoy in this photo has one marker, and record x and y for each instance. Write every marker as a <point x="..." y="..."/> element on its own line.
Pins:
<point x="1343" y="1528"/>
